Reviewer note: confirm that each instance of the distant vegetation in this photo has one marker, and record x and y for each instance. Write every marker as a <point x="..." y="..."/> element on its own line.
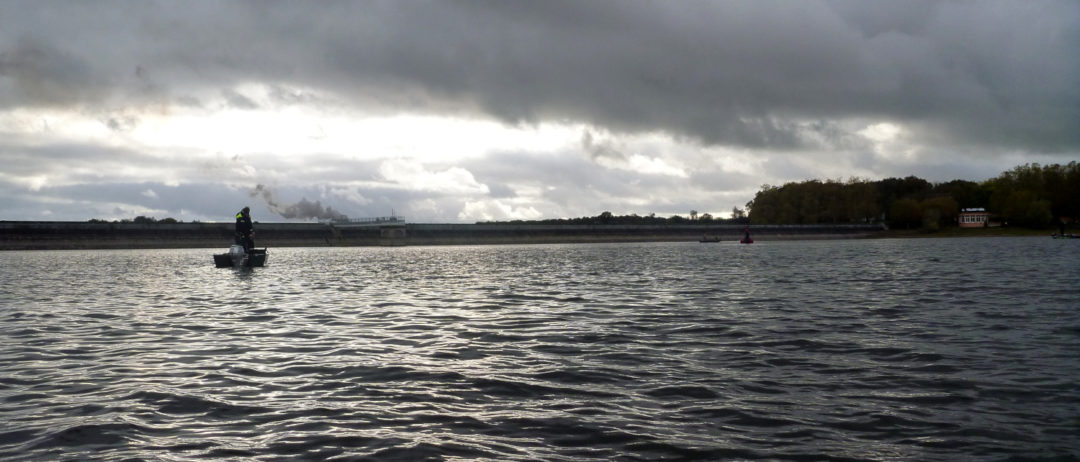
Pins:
<point x="1030" y="195"/>
<point x="138" y="220"/>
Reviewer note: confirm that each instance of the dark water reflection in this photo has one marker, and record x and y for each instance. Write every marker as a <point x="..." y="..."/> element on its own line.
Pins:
<point x="957" y="349"/>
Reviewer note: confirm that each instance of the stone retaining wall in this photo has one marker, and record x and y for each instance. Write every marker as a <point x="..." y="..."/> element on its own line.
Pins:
<point x="29" y="235"/>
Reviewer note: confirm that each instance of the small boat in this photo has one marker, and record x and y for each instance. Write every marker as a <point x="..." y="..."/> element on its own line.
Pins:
<point x="237" y="258"/>
<point x="709" y="239"/>
<point x="746" y="238"/>
<point x="1065" y="236"/>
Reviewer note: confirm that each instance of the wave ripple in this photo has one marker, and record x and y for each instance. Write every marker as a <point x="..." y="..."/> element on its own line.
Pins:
<point x="930" y="350"/>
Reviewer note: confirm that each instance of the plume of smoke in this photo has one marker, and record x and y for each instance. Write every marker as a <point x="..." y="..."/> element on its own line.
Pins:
<point x="300" y="210"/>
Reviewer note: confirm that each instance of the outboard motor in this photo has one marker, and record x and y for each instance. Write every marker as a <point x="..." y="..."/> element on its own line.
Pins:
<point x="237" y="254"/>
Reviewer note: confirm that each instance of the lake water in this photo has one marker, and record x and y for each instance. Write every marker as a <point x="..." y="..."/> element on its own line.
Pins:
<point x="918" y="349"/>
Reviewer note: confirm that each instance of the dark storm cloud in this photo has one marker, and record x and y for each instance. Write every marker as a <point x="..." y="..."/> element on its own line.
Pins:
<point x="39" y="73"/>
<point x="746" y="73"/>
<point x="751" y="73"/>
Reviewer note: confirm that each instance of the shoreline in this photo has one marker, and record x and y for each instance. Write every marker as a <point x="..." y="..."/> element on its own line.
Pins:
<point x="86" y="236"/>
<point x="89" y="236"/>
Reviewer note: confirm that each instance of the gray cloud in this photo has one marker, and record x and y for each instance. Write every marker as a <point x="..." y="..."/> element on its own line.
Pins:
<point x="37" y="73"/>
<point x="21" y="155"/>
<point x="600" y="149"/>
<point x="238" y="100"/>
<point x="977" y="86"/>
<point x="733" y="73"/>
<point x="571" y="185"/>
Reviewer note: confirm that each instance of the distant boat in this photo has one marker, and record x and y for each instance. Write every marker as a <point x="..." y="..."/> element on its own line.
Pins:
<point x="709" y="239"/>
<point x="747" y="239"/>
<point x="237" y="258"/>
<point x="1065" y="236"/>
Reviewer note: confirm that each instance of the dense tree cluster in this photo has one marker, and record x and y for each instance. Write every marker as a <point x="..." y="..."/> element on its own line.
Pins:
<point x="1029" y="195"/>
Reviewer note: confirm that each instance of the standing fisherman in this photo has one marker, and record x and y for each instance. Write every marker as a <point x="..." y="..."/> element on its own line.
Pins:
<point x="245" y="232"/>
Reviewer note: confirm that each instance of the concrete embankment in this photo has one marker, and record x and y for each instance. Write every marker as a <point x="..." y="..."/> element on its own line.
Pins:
<point x="439" y="234"/>
<point x="30" y="235"/>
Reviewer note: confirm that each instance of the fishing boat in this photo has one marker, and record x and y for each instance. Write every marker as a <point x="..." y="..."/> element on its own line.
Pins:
<point x="237" y="258"/>
<point x="747" y="239"/>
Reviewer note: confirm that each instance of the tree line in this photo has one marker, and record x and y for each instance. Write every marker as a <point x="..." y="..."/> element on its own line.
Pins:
<point x="1029" y="195"/>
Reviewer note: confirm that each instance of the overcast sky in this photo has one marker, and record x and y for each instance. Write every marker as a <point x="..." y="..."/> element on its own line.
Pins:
<point x="462" y="111"/>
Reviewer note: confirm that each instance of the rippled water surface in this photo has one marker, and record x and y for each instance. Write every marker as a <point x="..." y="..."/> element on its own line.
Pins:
<point x="923" y="349"/>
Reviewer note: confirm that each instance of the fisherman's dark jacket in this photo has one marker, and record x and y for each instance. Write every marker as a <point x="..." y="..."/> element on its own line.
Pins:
<point x="243" y="224"/>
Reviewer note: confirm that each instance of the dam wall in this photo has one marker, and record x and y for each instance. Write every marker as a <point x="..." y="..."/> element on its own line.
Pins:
<point x="36" y="235"/>
<point x="501" y="233"/>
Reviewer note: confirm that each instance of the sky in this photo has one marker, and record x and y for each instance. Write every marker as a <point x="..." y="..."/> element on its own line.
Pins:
<point x="467" y="111"/>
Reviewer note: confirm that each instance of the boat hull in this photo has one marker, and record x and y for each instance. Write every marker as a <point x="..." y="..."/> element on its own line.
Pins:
<point x="238" y="259"/>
